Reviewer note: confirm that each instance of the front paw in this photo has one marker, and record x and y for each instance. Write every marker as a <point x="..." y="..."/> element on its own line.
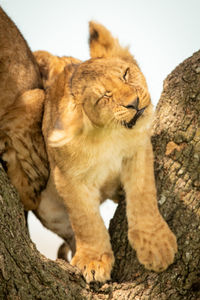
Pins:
<point x="94" y="266"/>
<point x="155" y="247"/>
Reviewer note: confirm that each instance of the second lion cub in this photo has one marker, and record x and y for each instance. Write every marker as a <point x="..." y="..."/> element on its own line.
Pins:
<point x="96" y="126"/>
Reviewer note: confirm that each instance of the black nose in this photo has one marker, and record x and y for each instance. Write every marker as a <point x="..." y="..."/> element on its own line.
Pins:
<point x="134" y="104"/>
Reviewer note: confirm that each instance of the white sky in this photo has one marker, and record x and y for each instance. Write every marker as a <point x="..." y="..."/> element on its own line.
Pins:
<point x="160" y="33"/>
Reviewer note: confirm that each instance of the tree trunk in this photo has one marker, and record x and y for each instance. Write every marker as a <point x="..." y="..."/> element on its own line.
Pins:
<point x="26" y="274"/>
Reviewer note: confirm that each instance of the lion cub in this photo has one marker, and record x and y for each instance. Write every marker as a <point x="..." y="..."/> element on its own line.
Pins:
<point x="96" y="125"/>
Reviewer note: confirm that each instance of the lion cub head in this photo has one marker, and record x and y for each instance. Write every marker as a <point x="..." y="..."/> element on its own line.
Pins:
<point x="106" y="91"/>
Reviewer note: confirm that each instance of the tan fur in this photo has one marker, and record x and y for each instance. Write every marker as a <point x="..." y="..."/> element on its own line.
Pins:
<point x="96" y="125"/>
<point x="92" y="153"/>
<point x="51" y="66"/>
<point x="21" y="106"/>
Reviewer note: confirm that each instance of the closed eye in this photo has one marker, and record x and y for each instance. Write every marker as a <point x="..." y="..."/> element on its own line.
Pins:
<point x="107" y="94"/>
<point x="126" y="74"/>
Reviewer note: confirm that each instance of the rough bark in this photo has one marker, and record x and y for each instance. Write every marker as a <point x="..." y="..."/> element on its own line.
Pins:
<point x="26" y="274"/>
<point x="176" y="143"/>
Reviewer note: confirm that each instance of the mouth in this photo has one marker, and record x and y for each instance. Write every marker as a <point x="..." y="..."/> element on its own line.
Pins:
<point x="133" y="121"/>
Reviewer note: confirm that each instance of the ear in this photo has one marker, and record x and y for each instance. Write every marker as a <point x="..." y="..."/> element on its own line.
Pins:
<point x="103" y="44"/>
<point x="51" y="66"/>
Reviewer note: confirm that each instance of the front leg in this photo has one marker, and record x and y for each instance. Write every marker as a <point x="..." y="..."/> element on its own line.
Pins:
<point x="94" y="256"/>
<point x="148" y="233"/>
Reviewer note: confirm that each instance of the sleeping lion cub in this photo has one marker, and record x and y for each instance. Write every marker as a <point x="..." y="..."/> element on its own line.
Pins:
<point x="96" y="125"/>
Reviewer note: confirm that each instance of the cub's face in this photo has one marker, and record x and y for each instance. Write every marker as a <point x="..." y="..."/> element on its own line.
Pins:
<point x="107" y="91"/>
<point x="110" y="91"/>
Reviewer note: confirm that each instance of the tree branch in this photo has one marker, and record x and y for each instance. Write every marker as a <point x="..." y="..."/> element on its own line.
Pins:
<point x="26" y="274"/>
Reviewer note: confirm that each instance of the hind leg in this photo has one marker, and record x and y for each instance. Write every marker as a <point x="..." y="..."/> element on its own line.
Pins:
<point x="53" y="215"/>
<point x="66" y="252"/>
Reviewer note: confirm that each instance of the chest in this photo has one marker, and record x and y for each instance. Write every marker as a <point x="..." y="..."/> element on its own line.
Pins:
<point x="99" y="161"/>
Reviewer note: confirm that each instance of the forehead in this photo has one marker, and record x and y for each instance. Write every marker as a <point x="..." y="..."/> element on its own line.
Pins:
<point x="96" y="75"/>
<point x="94" y="68"/>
